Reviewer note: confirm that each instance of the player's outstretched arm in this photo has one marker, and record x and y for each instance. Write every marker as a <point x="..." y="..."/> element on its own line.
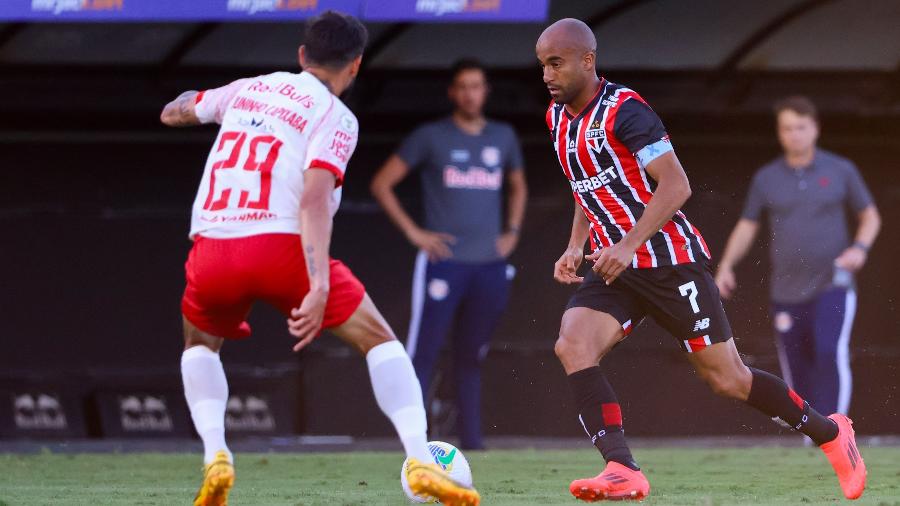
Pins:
<point x="200" y="107"/>
<point x="316" y="223"/>
<point x="672" y="191"/>
<point x="180" y="112"/>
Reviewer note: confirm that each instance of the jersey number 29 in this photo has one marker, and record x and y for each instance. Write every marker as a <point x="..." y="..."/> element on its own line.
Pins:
<point x="254" y="178"/>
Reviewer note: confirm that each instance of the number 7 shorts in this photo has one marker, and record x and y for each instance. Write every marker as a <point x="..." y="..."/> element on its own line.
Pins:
<point x="683" y="299"/>
<point x="226" y="276"/>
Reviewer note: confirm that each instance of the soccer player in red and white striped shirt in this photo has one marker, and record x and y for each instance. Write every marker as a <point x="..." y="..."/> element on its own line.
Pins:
<point x="261" y="227"/>
<point x="647" y="260"/>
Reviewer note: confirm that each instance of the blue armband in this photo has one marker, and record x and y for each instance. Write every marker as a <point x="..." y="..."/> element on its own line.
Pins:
<point x="653" y="151"/>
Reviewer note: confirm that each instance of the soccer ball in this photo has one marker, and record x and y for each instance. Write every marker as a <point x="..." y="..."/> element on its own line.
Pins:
<point x="451" y="459"/>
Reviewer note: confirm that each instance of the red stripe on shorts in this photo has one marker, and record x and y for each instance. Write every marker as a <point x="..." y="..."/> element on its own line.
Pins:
<point x="696" y="344"/>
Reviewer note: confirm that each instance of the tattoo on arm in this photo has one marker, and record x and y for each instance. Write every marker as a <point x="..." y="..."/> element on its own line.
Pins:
<point x="185" y="101"/>
<point x="310" y="262"/>
<point x="180" y="112"/>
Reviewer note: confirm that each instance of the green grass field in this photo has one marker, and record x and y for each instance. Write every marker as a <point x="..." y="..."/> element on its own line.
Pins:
<point x="677" y="476"/>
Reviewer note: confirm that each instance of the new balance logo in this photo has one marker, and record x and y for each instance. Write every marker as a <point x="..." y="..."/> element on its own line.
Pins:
<point x="701" y="324"/>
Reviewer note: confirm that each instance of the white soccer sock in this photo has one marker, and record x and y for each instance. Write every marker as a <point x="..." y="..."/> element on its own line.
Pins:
<point x="206" y="392"/>
<point x="399" y="395"/>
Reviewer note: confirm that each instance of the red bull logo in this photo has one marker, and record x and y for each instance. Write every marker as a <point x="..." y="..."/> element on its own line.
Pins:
<point x="476" y="178"/>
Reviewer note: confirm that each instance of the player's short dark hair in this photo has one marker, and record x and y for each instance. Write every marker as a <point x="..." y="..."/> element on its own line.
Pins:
<point x="334" y="39"/>
<point x="799" y="104"/>
<point x="464" y="64"/>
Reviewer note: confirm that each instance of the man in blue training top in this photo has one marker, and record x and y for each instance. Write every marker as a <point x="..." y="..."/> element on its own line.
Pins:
<point x="460" y="277"/>
<point x="806" y="194"/>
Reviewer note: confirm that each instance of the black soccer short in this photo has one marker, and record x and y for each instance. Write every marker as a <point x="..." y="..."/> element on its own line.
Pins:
<point x="683" y="299"/>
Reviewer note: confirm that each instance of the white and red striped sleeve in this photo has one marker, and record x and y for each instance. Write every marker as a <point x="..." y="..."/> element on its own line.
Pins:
<point x="333" y="142"/>
<point x="210" y="105"/>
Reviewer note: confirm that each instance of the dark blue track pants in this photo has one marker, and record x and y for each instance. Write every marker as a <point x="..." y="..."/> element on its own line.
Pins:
<point x="469" y="300"/>
<point x="813" y="340"/>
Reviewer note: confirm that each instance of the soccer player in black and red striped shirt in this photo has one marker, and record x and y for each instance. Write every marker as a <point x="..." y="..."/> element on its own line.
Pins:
<point x="647" y="260"/>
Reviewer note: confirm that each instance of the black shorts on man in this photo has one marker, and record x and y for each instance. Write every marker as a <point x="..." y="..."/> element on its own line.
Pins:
<point x="683" y="299"/>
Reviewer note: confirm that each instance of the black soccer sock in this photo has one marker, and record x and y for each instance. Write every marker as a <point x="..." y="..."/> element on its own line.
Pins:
<point x="600" y="415"/>
<point x="771" y="395"/>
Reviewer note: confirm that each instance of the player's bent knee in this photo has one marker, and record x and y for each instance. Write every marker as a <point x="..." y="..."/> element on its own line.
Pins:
<point x="367" y="336"/>
<point x="381" y="334"/>
<point x="196" y="337"/>
<point x="568" y="347"/>
<point x="365" y="329"/>
<point x="559" y="348"/>
<point x="573" y="354"/>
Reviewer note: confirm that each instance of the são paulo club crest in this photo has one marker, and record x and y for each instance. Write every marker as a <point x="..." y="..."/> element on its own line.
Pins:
<point x="490" y="156"/>
<point x="596" y="131"/>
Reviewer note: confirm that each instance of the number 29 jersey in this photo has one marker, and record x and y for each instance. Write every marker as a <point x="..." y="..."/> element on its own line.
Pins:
<point x="273" y="129"/>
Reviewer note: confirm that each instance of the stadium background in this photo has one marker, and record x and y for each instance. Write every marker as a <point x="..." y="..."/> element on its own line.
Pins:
<point x="95" y="197"/>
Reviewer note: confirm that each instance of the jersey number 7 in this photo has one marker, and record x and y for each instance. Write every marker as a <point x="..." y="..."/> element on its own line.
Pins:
<point x="689" y="290"/>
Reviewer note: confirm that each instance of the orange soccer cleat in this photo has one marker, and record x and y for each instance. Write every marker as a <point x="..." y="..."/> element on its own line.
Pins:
<point x="845" y="458"/>
<point x="615" y="483"/>
<point x="218" y="478"/>
<point x="433" y="483"/>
